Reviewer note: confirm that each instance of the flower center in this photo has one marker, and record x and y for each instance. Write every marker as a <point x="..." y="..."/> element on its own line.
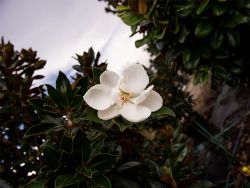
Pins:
<point x="125" y="97"/>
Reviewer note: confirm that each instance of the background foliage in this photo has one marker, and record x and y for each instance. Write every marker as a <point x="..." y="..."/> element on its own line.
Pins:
<point x="198" y="37"/>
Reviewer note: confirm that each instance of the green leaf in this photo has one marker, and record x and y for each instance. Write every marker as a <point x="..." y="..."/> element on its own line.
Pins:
<point x="102" y="181"/>
<point x="180" y="151"/>
<point x="193" y="63"/>
<point x="76" y="103"/>
<point x="78" y="68"/>
<point x="42" y="128"/>
<point x="96" y="74"/>
<point x="160" y="34"/>
<point x="172" y="54"/>
<point x="184" y="33"/>
<point x="219" y="9"/>
<point x="91" y="115"/>
<point x="203" y="28"/>
<point x="82" y="85"/>
<point x="121" y="124"/>
<point x="142" y="41"/>
<point x="217" y="39"/>
<point x="64" y="89"/>
<point x="66" y="180"/>
<point x="82" y="144"/>
<point x="54" y="95"/>
<point x="39" y="64"/>
<point x="37" y="184"/>
<point x="151" y="8"/>
<point x="97" y="146"/>
<point x="232" y="37"/>
<point x="186" y="55"/>
<point x="202" y="7"/>
<point x="51" y="157"/>
<point x="122" y="8"/>
<point x="185" y="10"/>
<point x="130" y="18"/>
<point x="236" y="19"/>
<point x="200" y="76"/>
<point x="66" y="144"/>
<point x="190" y="61"/>
<point x="103" y="162"/>
<point x="220" y="72"/>
<point x="163" y="111"/>
<point x="69" y="160"/>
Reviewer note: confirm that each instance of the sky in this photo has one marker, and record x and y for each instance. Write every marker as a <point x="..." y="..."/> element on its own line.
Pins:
<point x="58" y="29"/>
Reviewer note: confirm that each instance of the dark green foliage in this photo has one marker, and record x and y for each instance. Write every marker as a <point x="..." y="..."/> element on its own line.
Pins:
<point x="16" y="114"/>
<point x="193" y="35"/>
<point x="76" y="148"/>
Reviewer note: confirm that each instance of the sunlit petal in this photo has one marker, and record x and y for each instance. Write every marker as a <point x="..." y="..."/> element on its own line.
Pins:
<point x="99" y="97"/>
<point x="134" y="79"/>
<point x="142" y="96"/>
<point x="153" y="101"/>
<point x="112" y="112"/>
<point x="135" y="113"/>
<point x="109" y="78"/>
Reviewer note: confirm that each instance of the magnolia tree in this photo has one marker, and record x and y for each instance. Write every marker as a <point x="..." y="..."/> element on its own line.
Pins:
<point x="125" y="130"/>
<point x="97" y="131"/>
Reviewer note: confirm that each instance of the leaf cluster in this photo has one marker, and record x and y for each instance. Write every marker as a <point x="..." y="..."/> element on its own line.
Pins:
<point x="17" y="73"/>
<point x="199" y="37"/>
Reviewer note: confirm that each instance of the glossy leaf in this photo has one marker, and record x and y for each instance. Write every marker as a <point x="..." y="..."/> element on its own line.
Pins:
<point x="67" y="180"/>
<point x="236" y="19"/>
<point x="96" y="74"/>
<point x="82" y="85"/>
<point x="66" y="144"/>
<point x="64" y="89"/>
<point x="37" y="184"/>
<point x="54" y="95"/>
<point x="42" y="128"/>
<point x="221" y="72"/>
<point x="52" y="157"/>
<point x="96" y="146"/>
<point x="219" y="9"/>
<point x="200" y="76"/>
<point x="202" y="6"/>
<point x="121" y="123"/>
<point x="232" y="37"/>
<point x="172" y="54"/>
<point x="203" y="28"/>
<point x="39" y="64"/>
<point x="130" y="18"/>
<point x="103" y="162"/>
<point x="142" y="41"/>
<point x="91" y="115"/>
<point x="82" y="144"/>
<point x="217" y="39"/>
<point x="164" y="111"/>
<point x="102" y="181"/>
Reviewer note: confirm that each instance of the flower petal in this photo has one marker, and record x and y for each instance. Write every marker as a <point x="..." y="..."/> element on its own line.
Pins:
<point x="134" y="113"/>
<point x="134" y="79"/>
<point x="111" y="112"/>
<point x="109" y="78"/>
<point x="142" y="96"/>
<point x="153" y="101"/>
<point x="99" y="97"/>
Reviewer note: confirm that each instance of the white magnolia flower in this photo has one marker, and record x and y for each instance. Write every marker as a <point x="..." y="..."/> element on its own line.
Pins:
<point x="124" y="95"/>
